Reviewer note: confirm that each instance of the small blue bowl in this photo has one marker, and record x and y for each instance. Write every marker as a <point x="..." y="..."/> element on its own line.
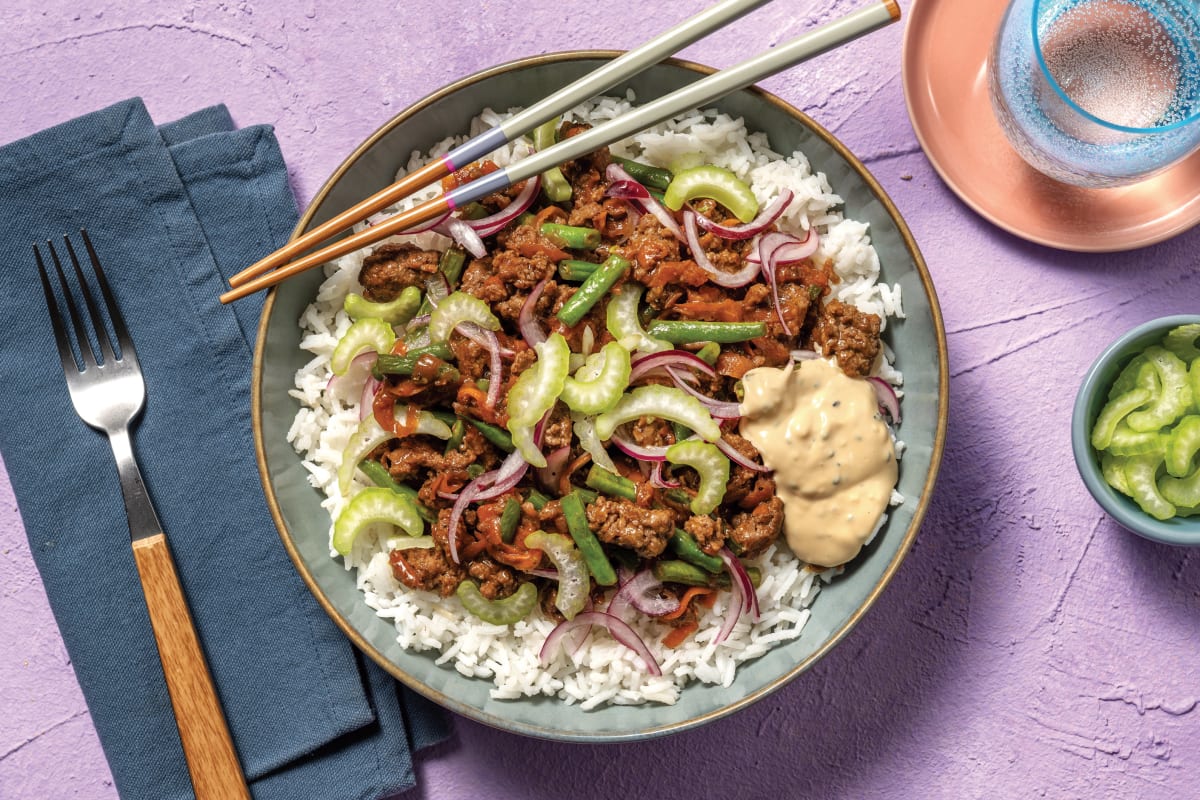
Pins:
<point x="1183" y="531"/>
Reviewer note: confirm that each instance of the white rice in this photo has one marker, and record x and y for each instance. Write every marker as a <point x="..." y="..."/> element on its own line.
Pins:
<point x="602" y="671"/>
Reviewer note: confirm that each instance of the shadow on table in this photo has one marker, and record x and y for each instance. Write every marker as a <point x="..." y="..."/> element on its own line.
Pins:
<point x="837" y="729"/>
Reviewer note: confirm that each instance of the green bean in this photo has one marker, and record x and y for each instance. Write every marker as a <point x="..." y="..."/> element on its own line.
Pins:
<point x="654" y="177"/>
<point x="680" y="431"/>
<point x="451" y="265"/>
<point x="571" y="236"/>
<point x="679" y="496"/>
<point x="685" y="546"/>
<point x="586" y="541"/>
<point x="587" y="495"/>
<point x="448" y="417"/>
<point x="510" y="517"/>
<point x="457" y="430"/>
<point x="392" y="364"/>
<point x="610" y="483"/>
<point x="474" y="210"/>
<point x="574" y="270"/>
<point x="691" y="575"/>
<point x="554" y="185"/>
<point x="709" y="353"/>
<point x="592" y="289"/>
<point x="496" y="435"/>
<point x="475" y="470"/>
<point x="537" y="499"/>
<point x="686" y="331"/>
<point x="379" y="476"/>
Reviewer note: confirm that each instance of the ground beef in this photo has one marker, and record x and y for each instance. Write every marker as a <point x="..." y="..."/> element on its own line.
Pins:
<point x="746" y="484"/>
<point x="480" y="280"/>
<point x="392" y="267"/>
<point x="472" y="358"/>
<point x="426" y="568"/>
<point x="495" y="580"/>
<point x="850" y="335"/>
<point x="405" y="458"/>
<point x="651" y="432"/>
<point x="558" y="430"/>
<point x="649" y="245"/>
<point x="753" y="532"/>
<point x="628" y="525"/>
<point x="708" y="532"/>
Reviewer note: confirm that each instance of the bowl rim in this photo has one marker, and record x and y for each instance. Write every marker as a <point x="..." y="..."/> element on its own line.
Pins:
<point x="477" y="714"/>
<point x="1087" y="463"/>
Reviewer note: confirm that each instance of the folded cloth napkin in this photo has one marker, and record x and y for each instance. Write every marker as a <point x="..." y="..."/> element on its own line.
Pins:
<point x="173" y="211"/>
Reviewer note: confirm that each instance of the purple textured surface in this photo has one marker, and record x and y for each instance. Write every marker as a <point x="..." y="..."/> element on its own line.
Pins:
<point x="1028" y="646"/>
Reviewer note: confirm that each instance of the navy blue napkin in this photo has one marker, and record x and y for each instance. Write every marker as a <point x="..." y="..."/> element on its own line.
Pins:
<point x="172" y="212"/>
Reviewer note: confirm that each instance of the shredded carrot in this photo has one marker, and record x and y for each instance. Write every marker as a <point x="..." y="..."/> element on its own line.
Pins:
<point x="677" y="636"/>
<point x="692" y="591"/>
<point x="546" y="213"/>
<point x="564" y="480"/>
<point x="717" y="311"/>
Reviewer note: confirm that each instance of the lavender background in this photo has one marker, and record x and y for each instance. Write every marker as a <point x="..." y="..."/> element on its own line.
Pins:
<point x="1028" y="647"/>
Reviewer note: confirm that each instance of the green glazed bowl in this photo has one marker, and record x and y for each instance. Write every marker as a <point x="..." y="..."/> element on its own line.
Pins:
<point x="1092" y="395"/>
<point x="918" y="340"/>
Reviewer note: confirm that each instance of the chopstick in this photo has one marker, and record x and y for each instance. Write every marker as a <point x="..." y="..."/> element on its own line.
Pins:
<point x="819" y="40"/>
<point x="605" y="77"/>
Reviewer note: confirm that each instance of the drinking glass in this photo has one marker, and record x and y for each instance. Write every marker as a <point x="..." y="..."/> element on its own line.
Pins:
<point x="1098" y="93"/>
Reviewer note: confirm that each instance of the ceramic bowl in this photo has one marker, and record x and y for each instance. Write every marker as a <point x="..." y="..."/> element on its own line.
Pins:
<point x="1093" y="393"/>
<point x="918" y="340"/>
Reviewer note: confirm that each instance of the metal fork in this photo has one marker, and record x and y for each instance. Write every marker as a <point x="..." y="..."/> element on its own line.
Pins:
<point x="108" y="392"/>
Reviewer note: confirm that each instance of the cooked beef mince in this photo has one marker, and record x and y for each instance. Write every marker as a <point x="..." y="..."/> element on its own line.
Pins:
<point x="392" y="267"/>
<point x="620" y="522"/>
<point x="753" y="533"/>
<point x="852" y="336"/>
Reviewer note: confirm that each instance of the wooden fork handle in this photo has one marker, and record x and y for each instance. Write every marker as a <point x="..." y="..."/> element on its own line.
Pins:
<point x="207" y="745"/>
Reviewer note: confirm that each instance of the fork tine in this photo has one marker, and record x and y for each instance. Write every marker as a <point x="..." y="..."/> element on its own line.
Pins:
<point x="86" y="350"/>
<point x="56" y="320"/>
<point x="124" y="340"/>
<point x="90" y="302"/>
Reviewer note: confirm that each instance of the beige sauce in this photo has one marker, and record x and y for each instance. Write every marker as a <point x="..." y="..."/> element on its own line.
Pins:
<point x="834" y="461"/>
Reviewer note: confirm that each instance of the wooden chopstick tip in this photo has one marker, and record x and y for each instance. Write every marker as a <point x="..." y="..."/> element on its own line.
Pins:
<point x="893" y="8"/>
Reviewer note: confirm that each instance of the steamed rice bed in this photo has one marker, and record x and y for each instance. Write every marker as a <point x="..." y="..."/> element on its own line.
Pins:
<point x="602" y="670"/>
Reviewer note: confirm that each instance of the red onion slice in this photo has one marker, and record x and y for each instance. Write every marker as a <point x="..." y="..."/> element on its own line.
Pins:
<point x="555" y="463"/>
<point x="769" y="214"/>
<point x="617" y="628"/>
<point x="658" y="479"/>
<point x="888" y="401"/>
<point x="733" y="455"/>
<point x="643" y="592"/>
<point x="479" y="336"/>
<point x="741" y="579"/>
<point x="768" y="245"/>
<point x="487" y="226"/>
<point x="464" y="234"/>
<point x="737" y="601"/>
<point x="730" y="280"/>
<point x="792" y="249"/>
<point x="635" y="450"/>
<point x="350" y="383"/>
<point x="365" y="401"/>
<point x="460" y="505"/>
<point x="623" y="186"/>
<point x="647" y="363"/>
<point x="531" y="330"/>
<point x="805" y="355"/>
<point x="721" y="409"/>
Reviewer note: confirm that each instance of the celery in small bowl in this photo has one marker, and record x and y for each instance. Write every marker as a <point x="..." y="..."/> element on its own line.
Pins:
<point x="1133" y="447"/>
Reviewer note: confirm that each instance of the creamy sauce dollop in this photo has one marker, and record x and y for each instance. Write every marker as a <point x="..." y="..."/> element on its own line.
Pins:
<point x="834" y="460"/>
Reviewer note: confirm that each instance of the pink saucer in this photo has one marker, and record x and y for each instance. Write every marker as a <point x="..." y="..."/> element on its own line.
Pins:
<point x="946" y="47"/>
